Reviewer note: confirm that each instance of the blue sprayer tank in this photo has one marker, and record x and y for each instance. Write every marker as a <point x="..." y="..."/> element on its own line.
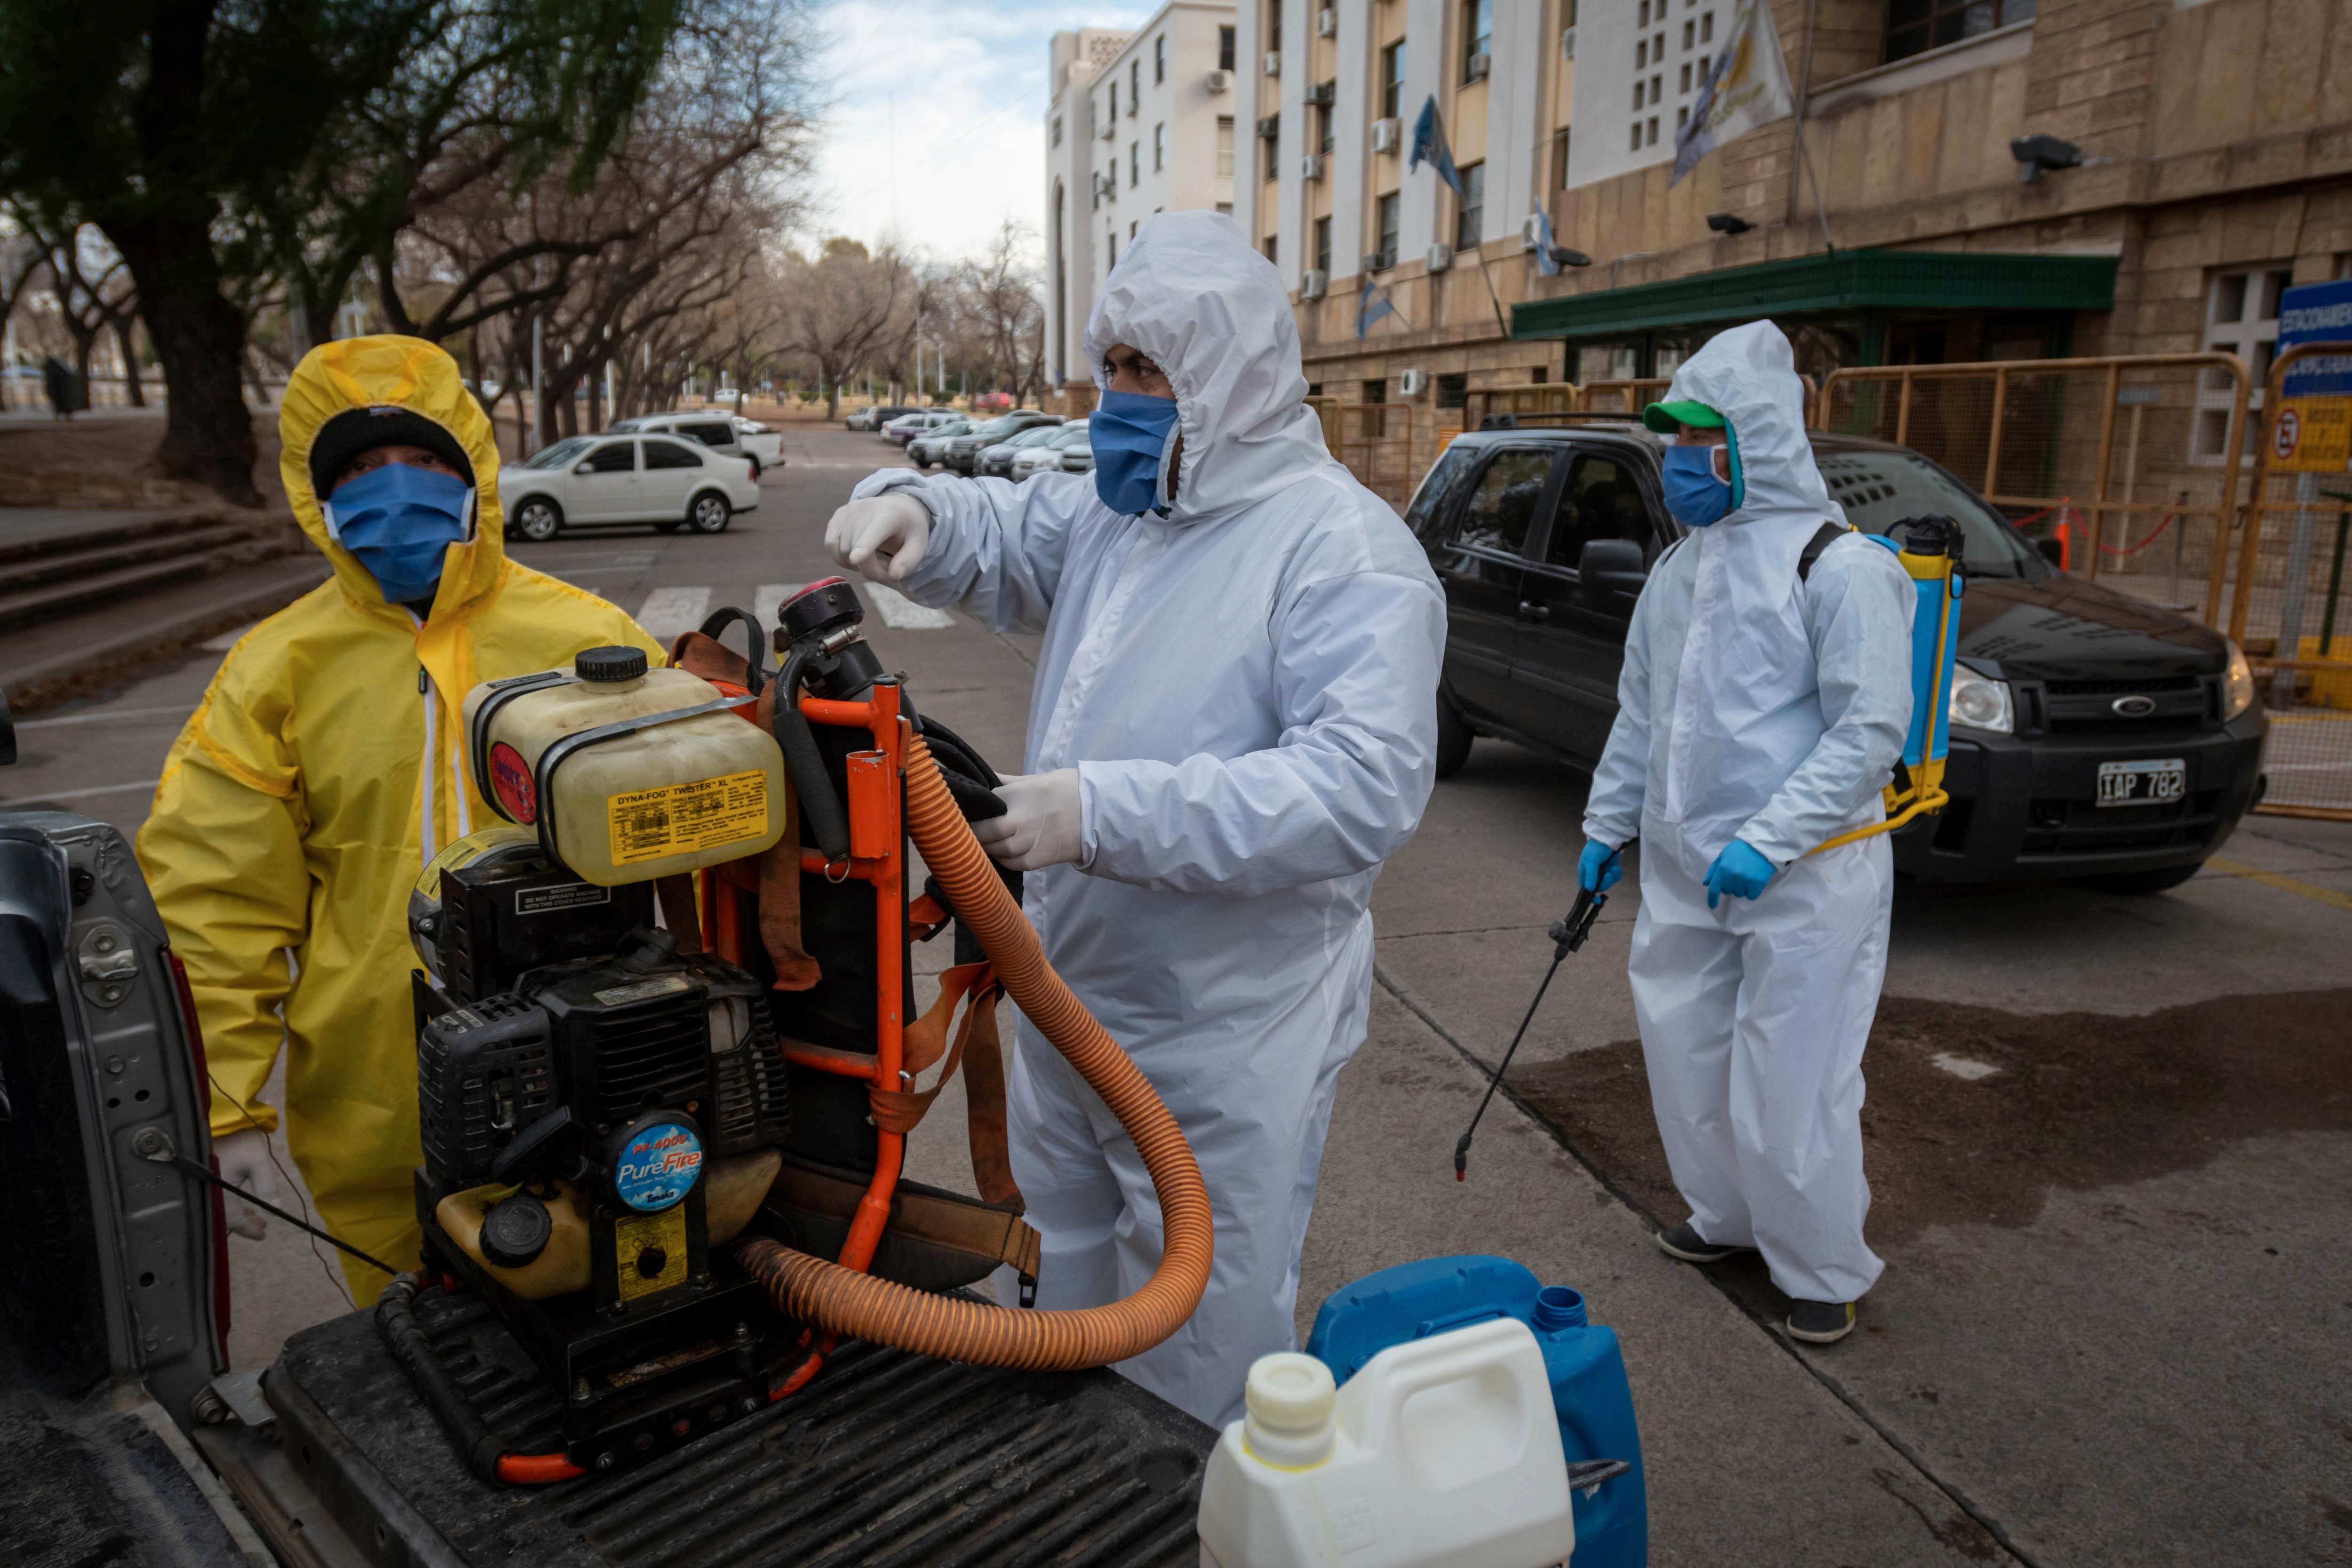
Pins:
<point x="1588" y="1391"/>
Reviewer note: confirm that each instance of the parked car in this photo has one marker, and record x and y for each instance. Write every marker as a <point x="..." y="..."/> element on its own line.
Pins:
<point x="873" y="415"/>
<point x="927" y="448"/>
<point x="2093" y="735"/>
<point x="996" y="461"/>
<point x="907" y="426"/>
<point x="716" y="429"/>
<point x="763" y="443"/>
<point x="594" y="480"/>
<point x="962" y="454"/>
<point x="1067" y="453"/>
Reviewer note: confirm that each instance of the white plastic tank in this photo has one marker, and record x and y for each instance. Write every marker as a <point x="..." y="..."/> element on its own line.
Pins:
<point x="660" y="798"/>
<point x="1442" y="1450"/>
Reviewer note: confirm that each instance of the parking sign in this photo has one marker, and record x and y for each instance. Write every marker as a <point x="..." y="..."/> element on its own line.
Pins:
<point x="2317" y="313"/>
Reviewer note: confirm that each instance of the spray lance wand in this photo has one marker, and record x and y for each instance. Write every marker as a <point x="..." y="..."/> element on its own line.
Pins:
<point x="1567" y="936"/>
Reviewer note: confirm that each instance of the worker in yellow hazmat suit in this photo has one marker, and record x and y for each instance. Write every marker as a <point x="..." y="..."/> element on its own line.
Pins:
<point x="326" y="765"/>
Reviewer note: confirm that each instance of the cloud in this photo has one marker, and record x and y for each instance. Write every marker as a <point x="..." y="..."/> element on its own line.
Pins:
<point x="936" y="133"/>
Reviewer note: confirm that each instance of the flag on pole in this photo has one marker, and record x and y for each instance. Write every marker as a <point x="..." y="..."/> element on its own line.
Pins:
<point x="1371" y="304"/>
<point x="1748" y="86"/>
<point x="1547" y="264"/>
<point x="1429" y="142"/>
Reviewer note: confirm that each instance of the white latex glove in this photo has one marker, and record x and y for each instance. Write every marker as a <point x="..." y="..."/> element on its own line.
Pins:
<point x="1042" y="823"/>
<point x="244" y="1162"/>
<point x="882" y="537"/>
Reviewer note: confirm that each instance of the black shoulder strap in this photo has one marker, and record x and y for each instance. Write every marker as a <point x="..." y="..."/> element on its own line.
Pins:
<point x="1828" y="535"/>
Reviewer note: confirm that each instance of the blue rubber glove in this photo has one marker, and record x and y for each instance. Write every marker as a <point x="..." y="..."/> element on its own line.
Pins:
<point x="1597" y="869"/>
<point x="1739" y="871"/>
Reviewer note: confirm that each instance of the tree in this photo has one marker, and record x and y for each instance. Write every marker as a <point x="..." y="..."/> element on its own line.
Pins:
<point x="846" y="309"/>
<point x="998" y="293"/>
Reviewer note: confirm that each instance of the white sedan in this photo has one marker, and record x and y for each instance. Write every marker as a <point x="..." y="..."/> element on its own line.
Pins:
<point x="592" y="480"/>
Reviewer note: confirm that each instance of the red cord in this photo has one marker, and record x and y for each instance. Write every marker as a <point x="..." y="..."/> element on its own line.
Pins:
<point x="536" y="1469"/>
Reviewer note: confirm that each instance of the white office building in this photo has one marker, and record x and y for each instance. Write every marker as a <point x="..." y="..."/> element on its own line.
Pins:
<point x="1140" y="122"/>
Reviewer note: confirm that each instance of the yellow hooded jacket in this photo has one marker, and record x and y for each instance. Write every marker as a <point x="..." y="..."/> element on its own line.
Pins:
<point x="325" y="767"/>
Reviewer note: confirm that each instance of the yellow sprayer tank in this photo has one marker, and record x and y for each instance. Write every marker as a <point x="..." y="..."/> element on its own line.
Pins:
<point x="626" y="773"/>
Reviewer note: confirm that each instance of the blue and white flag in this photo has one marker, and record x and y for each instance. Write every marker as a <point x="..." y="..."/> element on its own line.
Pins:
<point x="1547" y="264"/>
<point x="1748" y="86"/>
<point x="1372" y="305"/>
<point x="1429" y="142"/>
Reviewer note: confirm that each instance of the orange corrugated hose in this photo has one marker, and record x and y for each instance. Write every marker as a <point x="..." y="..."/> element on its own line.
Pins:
<point x="816" y="1292"/>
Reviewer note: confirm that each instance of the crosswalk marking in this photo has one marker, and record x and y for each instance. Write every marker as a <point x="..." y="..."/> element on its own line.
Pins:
<point x="901" y="614"/>
<point x="668" y="611"/>
<point x="768" y="597"/>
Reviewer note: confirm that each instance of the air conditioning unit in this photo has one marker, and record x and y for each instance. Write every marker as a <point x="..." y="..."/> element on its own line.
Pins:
<point x="1109" y="132"/>
<point x="1310" y="167"/>
<point x="1568" y="43"/>
<point x="1107" y="187"/>
<point x="1532" y="232"/>
<point x="1413" y="382"/>
<point x="1322" y="92"/>
<point x="1314" y="285"/>
<point x="1274" y="63"/>
<point x="1269" y="126"/>
<point x="1387" y="135"/>
<point x="1326" y="23"/>
<point x="1441" y="257"/>
<point x="1476" y="67"/>
<point x="1379" y="261"/>
<point x="1219" y="81"/>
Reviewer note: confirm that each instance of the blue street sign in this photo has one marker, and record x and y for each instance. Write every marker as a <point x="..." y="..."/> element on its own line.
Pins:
<point x="2317" y="313"/>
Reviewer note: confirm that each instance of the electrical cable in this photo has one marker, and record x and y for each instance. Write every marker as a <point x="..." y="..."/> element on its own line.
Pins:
<point x="192" y="1168"/>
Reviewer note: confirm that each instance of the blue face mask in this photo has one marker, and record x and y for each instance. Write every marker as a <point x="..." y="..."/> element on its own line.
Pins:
<point x="399" y="521"/>
<point x="1130" y="435"/>
<point x="1694" y="494"/>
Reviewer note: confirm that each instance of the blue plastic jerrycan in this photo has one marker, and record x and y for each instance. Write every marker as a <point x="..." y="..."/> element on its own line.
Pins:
<point x="1594" y="1404"/>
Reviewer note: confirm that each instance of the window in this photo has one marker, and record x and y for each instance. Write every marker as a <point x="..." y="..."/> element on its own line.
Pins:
<point x="1504" y="501"/>
<point x="1324" y="115"/>
<point x="1159" y="59"/>
<point x="1226" y="208"/>
<point x="1390" y="216"/>
<point x="1131" y="227"/>
<point x="1706" y="26"/>
<point x="1685" y="82"/>
<point x="1274" y="30"/>
<point x="1915" y="26"/>
<point x="1323" y="246"/>
<point x="1878" y="490"/>
<point x="1560" y="157"/>
<point x="669" y="455"/>
<point x="1682" y="118"/>
<point x="1114" y="101"/>
<point x="1470" y="211"/>
<point x="1690" y="34"/>
<point x="1635" y="145"/>
<point x="1114" y="248"/>
<point x="1602" y="501"/>
<point x="620" y="458"/>
<point x="2240" y="318"/>
<point x="712" y="435"/>
<point x="1224" y="146"/>
<point x="1642" y="54"/>
<point x="1224" y="48"/>
<point x="1273" y="157"/>
<point x="1453" y="391"/>
<point x="1159" y="146"/>
<point x="1057" y="131"/>
<point x="1654" y="131"/>
<point x="1391" y="78"/>
<point x="1640" y="88"/>
<point x="1376" y="391"/>
<point x="1644" y="19"/>
<point x="1269" y="250"/>
<point x="1478" y="32"/>
<point x="1134" y="164"/>
<point x="1134" y="86"/>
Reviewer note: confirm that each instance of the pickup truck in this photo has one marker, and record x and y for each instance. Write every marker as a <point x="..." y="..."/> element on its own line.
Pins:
<point x="2094" y="736"/>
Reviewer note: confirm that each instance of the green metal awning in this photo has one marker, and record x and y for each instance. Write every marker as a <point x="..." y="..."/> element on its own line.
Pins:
<point x="1848" y="280"/>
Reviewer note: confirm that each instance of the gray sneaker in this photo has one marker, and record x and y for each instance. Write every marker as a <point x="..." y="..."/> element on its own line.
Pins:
<point x="1682" y="1242"/>
<point x="1820" y="1322"/>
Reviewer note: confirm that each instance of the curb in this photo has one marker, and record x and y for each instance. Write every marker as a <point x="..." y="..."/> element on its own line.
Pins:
<point x="156" y="638"/>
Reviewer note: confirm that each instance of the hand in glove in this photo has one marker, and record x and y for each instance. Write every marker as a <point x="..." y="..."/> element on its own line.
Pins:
<point x="882" y="537"/>
<point x="1597" y="869"/>
<point x="1042" y="822"/>
<point x="1740" y="870"/>
<point x="245" y="1162"/>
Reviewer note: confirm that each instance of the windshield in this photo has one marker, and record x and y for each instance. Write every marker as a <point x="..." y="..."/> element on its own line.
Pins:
<point x="1071" y="435"/>
<point x="953" y="427"/>
<point x="1036" y="434"/>
<point x="559" y="454"/>
<point x="1879" y="490"/>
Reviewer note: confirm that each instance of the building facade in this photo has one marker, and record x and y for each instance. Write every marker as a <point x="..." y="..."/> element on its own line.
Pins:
<point x="1140" y="122"/>
<point x="2214" y="140"/>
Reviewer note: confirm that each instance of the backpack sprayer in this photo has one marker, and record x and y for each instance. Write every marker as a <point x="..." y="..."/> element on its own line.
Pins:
<point x="1929" y="552"/>
<point x="669" y="1157"/>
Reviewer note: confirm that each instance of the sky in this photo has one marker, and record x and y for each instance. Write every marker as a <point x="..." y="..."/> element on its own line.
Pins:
<point x="936" y="128"/>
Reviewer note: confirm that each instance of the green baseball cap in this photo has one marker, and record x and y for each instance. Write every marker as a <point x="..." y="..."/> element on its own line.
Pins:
<point x="1668" y="418"/>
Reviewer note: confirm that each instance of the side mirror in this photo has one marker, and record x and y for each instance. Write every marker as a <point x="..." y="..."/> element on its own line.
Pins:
<point x="1606" y="567"/>
<point x="2054" y="551"/>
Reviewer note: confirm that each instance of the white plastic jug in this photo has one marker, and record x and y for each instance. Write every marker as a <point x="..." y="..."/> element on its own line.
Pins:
<point x="1442" y="1450"/>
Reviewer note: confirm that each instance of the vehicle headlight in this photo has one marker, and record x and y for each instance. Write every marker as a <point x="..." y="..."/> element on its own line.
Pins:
<point x="1981" y="703"/>
<point x="2238" y="685"/>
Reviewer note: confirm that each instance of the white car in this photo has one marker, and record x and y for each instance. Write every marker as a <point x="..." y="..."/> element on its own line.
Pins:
<point x="591" y="481"/>
<point x="719" y="430"/>
<point x="1067" y="452"/>
<point x="763" y="443"/>
<point x="907" y="426"/>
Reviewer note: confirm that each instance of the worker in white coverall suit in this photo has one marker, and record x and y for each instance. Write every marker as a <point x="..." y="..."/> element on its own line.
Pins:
<point x="1234" y="724"/>
<point x="1759" y="714"/>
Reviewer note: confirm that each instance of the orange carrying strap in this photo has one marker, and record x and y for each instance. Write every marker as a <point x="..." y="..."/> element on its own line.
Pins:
<point x="976" y="1048"/>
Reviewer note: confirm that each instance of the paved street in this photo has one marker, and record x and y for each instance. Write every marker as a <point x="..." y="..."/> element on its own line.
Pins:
<point x="2111" y="1141"/>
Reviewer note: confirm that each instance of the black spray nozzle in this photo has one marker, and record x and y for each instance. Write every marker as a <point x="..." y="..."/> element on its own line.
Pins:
<point x="1567" y="936"/>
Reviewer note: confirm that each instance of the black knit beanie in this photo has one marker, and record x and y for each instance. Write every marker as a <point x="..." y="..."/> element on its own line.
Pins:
<point x="358" y="430"/>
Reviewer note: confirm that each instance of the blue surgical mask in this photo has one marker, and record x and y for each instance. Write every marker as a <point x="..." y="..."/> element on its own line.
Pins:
<point x="1129" y="433"/>
<point x="1694" y="494"/>
<point x="399" y="521"/>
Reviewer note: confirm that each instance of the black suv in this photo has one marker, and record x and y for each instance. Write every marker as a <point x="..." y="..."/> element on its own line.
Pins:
<point x="2094" y="736"/>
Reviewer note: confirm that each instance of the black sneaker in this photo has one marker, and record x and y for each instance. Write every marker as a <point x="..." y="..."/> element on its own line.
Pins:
<point x="1820" y="1322"/>
<point x="1681" y="1241"/>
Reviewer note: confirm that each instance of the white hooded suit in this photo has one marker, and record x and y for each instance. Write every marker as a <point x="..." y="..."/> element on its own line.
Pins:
<point x="1754" y="706"/>
<point x="1247" y="689"/>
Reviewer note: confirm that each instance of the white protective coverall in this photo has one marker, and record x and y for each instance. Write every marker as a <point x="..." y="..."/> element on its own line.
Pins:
<point x="1756" y="707"/>
<point x="1247" y="689"/>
